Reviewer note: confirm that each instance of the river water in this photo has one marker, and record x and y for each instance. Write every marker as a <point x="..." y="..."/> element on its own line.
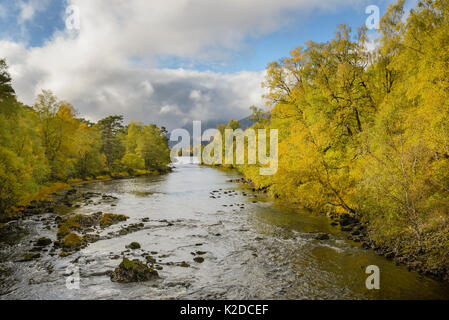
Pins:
<point x="252" y="248"/>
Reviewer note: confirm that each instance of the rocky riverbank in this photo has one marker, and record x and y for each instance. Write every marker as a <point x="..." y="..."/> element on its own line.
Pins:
<point x="357" y="231"/>
<point x="75" y="231"/>
<point x="63" y="197"/>
<point x="208" y="240"/>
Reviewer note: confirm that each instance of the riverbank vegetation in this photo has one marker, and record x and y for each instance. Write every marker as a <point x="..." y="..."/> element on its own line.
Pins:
<point x="45" y="147"/>
<point x="365" y="131"/>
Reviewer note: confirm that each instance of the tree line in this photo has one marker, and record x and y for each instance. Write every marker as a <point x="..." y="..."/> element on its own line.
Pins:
<point x="365" y="131"/>
<point x="47" y="143"/>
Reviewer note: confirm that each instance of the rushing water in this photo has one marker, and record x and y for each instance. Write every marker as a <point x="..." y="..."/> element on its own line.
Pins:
<point x="255" y="249"/>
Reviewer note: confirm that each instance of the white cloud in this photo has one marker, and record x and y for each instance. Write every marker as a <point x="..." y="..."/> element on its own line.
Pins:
<point x="29" y="8"/>
<point x="109" y="66"/>
<point x="195" y="95"/>
<point x="26" y="11"/>
<point x="147" y="87"/>
<point x="171" y="109"/>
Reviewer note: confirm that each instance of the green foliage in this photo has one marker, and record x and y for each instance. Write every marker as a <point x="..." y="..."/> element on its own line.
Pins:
<point x="7" y="95"/>
<point x="48" y="143"/>
<point x="131" y="161"/>
<point x="112" y="130"/>
<point x="146" y="148"/>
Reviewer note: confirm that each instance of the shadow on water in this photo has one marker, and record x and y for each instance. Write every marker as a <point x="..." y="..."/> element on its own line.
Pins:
<point x="252" y="248"/>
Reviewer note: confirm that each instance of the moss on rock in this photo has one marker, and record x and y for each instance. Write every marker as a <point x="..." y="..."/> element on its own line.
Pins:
<point x="150" y="259"/>
<point x="82" y="222"/>
<point x="133" y="245"/>
<point x="70" y="224"/>
<point x="72" y="241"/>
<point x="133" y="271"/>
<point x="43" y="242"/>
<point x="63" y="254"/>
<point x="30" y="256"/>
<point x="109" y="219"/>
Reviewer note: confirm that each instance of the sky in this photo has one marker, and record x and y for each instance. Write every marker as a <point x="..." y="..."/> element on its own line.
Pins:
<point x="166" y="62"/>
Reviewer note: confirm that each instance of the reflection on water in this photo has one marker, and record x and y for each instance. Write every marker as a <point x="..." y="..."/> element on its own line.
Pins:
<point x="253" y="248"/>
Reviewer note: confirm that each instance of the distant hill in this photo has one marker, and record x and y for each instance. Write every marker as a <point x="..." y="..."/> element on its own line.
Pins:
<point x="211" y="124"/>
<point x="246" y="123"/>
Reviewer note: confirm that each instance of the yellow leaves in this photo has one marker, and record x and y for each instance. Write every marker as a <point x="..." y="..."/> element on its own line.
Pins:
<point x="365" y="135"/>
<point x="48" y="143"/>
<point x="132" y="161"/>
<point x="282" y="110"/>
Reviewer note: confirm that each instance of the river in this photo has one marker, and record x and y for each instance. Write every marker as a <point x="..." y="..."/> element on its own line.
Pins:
<point x="253" y="248"/>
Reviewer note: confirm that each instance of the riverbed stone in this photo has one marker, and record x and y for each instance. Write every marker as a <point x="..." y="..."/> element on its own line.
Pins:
<point x="133" y="245"/>
<point x="321" y="236"/>
<point x="43" y="242"/>
<point x="72" y="241"/>
<point x="198" y="259"/>
<point x="30" y="256"/>
<point x="184" y="264"/>
<point x="150" y="259"/>
<point x="83" y="223"/>
<point x="133" y="271"/>
<point x="63" y="254"/>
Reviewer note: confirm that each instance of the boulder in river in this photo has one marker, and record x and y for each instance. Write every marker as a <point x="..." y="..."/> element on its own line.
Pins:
<point x="64" y="254"/>
<point x="321" y="236"/>
<point x="133" y="271"/>
<point x="150" y="259"/>
<point x="198" y="259"/>
<point x="72" y="241"/>
<point x="81" y="222"/>
<point x="43" y="242"/>
<point x="184" y="264"/>
<point x="30" y="256"/>
<point x="133" y="245"/>
<point x="108" y="219"/>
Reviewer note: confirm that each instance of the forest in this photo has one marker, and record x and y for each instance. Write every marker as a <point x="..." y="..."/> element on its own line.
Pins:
<point x="365" y="131"/>
<point x="47" y="146"/>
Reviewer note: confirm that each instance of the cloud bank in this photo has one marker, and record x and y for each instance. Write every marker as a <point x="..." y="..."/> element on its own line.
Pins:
<point x="110" y="65"/>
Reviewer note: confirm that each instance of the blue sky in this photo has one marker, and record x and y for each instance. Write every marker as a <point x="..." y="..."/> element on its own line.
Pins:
<point x="318" y="26"/>
<point x="168" y="61"/>
<point x="37" y="29"/>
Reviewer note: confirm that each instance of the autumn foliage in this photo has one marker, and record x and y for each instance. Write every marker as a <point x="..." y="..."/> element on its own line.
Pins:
<point x="366" y="132"/>
<point x="46" y="144"/>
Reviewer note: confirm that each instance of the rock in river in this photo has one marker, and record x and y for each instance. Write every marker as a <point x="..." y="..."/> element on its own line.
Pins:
<point x="72" y="241"/>
<point x="198" y="259"/>
<point x="133" y="271"/>
<point x="133" y="245"/>
<point x="30" y="256"/>
<point x="321" y="236"/>
<point x="43" y="242"/>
